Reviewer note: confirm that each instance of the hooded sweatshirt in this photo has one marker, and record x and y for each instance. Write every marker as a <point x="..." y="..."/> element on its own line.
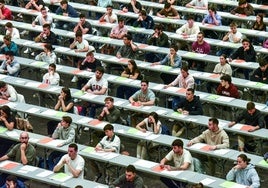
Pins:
<point x="247" y="176"/>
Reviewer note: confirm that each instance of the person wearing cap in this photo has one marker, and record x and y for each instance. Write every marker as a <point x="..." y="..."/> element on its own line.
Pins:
<point x="10" y="65"/>
<point x="244" y="173"/>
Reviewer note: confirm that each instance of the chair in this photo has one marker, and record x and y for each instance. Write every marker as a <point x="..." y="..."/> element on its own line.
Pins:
<point x="24" y="124"/>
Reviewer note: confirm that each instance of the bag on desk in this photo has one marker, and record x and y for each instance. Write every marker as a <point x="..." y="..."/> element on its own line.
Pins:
<point x="24" y="125"/>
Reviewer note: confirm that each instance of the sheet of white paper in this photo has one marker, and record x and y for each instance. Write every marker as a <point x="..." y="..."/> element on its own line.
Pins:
<point x="99" y="153"/>
<point x="135" y="82"/>
<point x="239" y="186"/>
<point x="207" y="181"/>
<point x="112" y="77"/>
<point x="225" y="99"/>
<point x="147" y="133"/>
<point x="221" y="151"/>
<point x="33" y="140"/>
<point x="119" y="103"/>
<point x="53" y="88"/>
<point x="161" y="111"/>
<point x="143" y="64"/>
<point x="146" y="107"/>
<point x="22" y="171"/>
<point x="198" y="145"/>
<point x="110" y="155"/>
<point x="145" y="164"/>
<point x="29" y="168"/>
<point x="12" y="133"/>
<point x="152" y="136"/>
<point x="237" y="126"/>
<point x="33" y="110"/>
<point x="55" y="142"/>
<point x="174" y="89"/>
<point x="259" y="107"/>
<point x="32" y="84"/>
<point x="88" y="96"/>
<point x="49" y="112"/>
<point x="44" y="173"/>
<point x="152" y="47"/>
<point x="172" y="173"/>
<point x="4" y="163"/>
<point x="84" y="120"/>
<point x="192" y="119"/>
<point x="158" y="87"/>
<point x="61" y="179"/>
<point x="62" y="49"/>
<point x="2" y="76"/>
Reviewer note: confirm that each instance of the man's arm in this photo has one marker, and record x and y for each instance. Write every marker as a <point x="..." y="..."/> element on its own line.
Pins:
<point x="3" y="158"/>
<point x="24" y="159"/>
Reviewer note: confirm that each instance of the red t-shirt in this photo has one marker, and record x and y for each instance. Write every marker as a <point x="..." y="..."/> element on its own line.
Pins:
<point x="7" y="13"/>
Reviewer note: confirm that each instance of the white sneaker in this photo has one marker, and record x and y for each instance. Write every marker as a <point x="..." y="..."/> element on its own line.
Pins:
<point x="151" y="12"/>
<point x="75" y="79"/>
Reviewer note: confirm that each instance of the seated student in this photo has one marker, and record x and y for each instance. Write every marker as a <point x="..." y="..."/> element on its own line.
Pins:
<point x="158" y="38"/>
<point x="83" y="25"/>
<point x="244" y="173"/>
<point x="190" y="29"/>
<point x="46" y="36"/>
<point x="133" y="6"/>
<point x="182" y="160"/>
<point x="227" y="88"/>
<point x="51" y="77"/>
<point x="251" y="116"/>
<point x="43" y="18"/>
<point x="142" y="97"/>
<point x="12" y="31"/>
<point x="190" y="105"/>
<point x="258" y="25"/>
<point x="109" y="17"/>
<point x="10" y="65"/>
<point x="73" y="163"/>
<point x="233" y="36"/>
<point x="65" y="103"/>
<point x="7" y="92"/>
<point x="243" y="8"/>
<point x="212" y="18"/>
<point x="9" y="46"/>
<point x="172" y="59"/>
<point x="143" y="21"/>
<point x="100" y="3"/>
<point x="48" y="55"/>
<point x="97" y="85"/>
<point x="198" y="4"/>
<point x="247" y="53"/>
<point x="260" y="75"/>
<point x="64" y="131"/>
<point x="184" y="80"/>
<point x="13" y="182"/>
<point x="5" y="13"/>
<point x="109" y="112"/>
<point x="151" y="124"/>
<point x="7" y="120"/>
<point x="66" y="10"/>
<point x="133" y="72"/>
<point x="109" y="143"/>
<point x="222" y="68"/>
<point x="215" y="137"/>
<point x="129" y="179"/>
<point x="90" y="63"/>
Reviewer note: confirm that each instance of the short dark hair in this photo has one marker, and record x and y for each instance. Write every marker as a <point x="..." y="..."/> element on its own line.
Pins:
<point x="6" y="110"/>
<point x="190" y="17"/>
<point x="185" y="68"/>
<point x="226" y="78"/>
<point x="128" y="36"/>
<point x="10" y="53"/>
<point x="214" y="120"/>
<point x="121" y="20"/>
<point x="9" y="25"/>
<point x="73" y="145"/>
<point x="109" y="99"/>
<point x="12" y="177"/>
<point x="82" y="15"/>
<point x="2" y="84"/>
<point x="167" y="5"/>
<point x="244" y="158"/>
<point x="109" y="6"/>
<point x="246" y="40"/>
<point x="174" y="46"/>
<point x="109" y="127"/>
<point x="7" y="37"/>
<point x="143" y="13"/>
<point x="49" y="46"/>
<point x="67" y="119"/>
<point x="241" y="2"/>
<point x="53" y="65"/>
<point x="100" y="69"/>
<point x="64" y="2"/>
<point x="191" y="89"/>
<point x="177" y="142"/>
<point x="131" y="168"/>
<point x="250" y="105"/>
<point x="78" y="33"/>
<point x="47" y="26"/>
<point x="262" y="63"/>
<point x="159" y="27"/>
<point x="2" y="1"/>
<point x="145" y="81"/>
<point x="202" y="33"/>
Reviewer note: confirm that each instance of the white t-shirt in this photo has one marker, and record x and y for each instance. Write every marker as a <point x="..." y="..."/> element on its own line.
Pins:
<point x="179" y="160"/>
<point x="81" y="45"/>
<point x="15" y="33"/>
<point x="78" y="163"/>
<point x="113" y="16"/>
<point x="93" y="84"/>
